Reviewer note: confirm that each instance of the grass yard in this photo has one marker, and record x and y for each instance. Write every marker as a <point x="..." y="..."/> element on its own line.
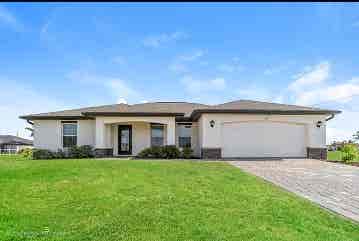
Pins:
<point x="93" y="199"/>
<point x="337" y="156"/>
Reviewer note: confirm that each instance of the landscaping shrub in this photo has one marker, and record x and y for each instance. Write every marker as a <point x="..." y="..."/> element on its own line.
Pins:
<point x="151" y="152"/>
<point x="26" y="152"/>
<point x="85" y="151"/>
<point x="42" y="154"/>
<point x="145" y="153"/>
<point x="168" y="152"/>
<point x="186" y="152"/>
<point x="60" y="154"/>
<point x="350" y="152"/>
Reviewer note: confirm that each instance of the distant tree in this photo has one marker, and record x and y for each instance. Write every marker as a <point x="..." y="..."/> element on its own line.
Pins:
<point x="356" y="136"/>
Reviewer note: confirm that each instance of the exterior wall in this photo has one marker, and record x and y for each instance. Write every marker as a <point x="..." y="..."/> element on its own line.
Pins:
<point x="48" y="134"/>
<point x="211" y="137"/>
<point x="194" y="139"/>
<point x="86" y="132"/>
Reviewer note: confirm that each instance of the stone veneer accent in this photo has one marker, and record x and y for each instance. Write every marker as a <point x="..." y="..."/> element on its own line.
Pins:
<point x="211" y="153"/>
<point x="317" y="153"/>
<point x="103" y="152"/>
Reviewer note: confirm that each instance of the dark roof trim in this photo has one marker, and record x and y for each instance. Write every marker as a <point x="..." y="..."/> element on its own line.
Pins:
<point x="18" y="143"/>
<point x="183" y="119"/>
<point x="34" y="117"/>
<point x="197" y="113"/>
<point x="180" y="116"/>
<point x="132" y="114"/>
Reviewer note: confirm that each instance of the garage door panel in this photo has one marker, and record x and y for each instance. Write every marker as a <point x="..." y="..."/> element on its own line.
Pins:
<point x="263" y="139"/>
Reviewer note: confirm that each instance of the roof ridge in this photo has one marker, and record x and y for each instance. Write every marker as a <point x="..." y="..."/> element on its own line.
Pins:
<point x="267" y="102"/>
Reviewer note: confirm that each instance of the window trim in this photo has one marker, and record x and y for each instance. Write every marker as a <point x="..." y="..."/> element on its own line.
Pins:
<point x="185" y="125"/>
<point x="163" y="133"/>
<point x="62" y="132"/>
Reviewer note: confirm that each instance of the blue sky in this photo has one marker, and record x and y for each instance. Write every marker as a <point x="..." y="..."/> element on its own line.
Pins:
<point x="58" y="56"/>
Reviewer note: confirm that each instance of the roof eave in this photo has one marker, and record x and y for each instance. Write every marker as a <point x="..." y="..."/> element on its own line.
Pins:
<point x="34" y="117"/>
<point x="92" y="114"/>
<point x="197" y="113"/>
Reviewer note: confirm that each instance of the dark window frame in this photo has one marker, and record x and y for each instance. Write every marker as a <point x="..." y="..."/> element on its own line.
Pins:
<point x="185" y="141"/>
<point x="155" y="139"/>
<point x="72" y="139"/>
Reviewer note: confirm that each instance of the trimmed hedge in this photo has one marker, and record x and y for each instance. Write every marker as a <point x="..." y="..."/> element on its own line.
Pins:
<point x="85" y="151"/>
<point x="166" y="152"/>
<point x="186" y="152"/>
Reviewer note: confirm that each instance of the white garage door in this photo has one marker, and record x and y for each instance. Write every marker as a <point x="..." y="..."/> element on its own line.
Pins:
<point x="263" y="139"/>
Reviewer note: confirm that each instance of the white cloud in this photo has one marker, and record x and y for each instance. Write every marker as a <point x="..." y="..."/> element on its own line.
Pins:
<point x="20" y="99"/>
<point x="336" y="93"/>
<point x="192" y="56"/>
<point x="156" y="41"/>
<point x="196" y="86"/>
<point x="121" y="90"/>
<point x="117" y="87"/>
<point x="9" y="19"/>
<point x="314" y="76"/>
<point x="179" y="65"/>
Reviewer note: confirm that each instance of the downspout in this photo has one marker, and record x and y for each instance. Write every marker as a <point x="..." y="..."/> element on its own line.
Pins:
<point x="330" y="117"/>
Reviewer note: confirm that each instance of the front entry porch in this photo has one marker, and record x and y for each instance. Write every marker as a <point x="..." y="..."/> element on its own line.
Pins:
<point x="127" y="136"/>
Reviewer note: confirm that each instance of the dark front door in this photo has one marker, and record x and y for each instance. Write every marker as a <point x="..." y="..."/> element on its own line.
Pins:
<point x="124" y="140"/>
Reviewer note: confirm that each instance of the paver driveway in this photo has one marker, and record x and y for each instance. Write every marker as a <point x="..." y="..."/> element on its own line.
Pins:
<point x="334" y="186"/>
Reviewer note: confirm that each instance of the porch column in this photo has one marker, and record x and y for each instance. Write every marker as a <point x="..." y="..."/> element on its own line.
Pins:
<point x="101" y="143"/>
<point x="100" y="134"/>
<point x="171" y="132"/>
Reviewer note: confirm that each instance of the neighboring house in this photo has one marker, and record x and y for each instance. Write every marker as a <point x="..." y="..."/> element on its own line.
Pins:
<point x="13" y="144"/>
<point x="238" y="129"/>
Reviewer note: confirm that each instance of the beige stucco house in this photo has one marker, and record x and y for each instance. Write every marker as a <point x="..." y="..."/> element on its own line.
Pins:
<point x="238" y="129"/>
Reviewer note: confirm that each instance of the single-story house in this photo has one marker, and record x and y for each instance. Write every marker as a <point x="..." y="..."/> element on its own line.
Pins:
<point x="237" y="129"/>
<point x="12" y="144"/>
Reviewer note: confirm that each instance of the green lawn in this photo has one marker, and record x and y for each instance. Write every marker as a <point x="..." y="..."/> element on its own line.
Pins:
<point x="337" y="156"/>
<point x="93" y="199"/>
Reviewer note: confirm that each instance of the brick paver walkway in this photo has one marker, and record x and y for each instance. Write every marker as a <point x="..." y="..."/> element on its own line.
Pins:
<point x="333" y="186"/>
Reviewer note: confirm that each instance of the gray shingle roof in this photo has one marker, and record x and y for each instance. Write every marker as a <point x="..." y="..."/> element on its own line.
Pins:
<point x="183" y="109"/>
<point x="15" y="140"/>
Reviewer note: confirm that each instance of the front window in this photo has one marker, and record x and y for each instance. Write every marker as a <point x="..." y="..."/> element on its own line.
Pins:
<point x="184" y="135"/>
<point x="69" y="134"/>
<point x="157" y="134"/>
